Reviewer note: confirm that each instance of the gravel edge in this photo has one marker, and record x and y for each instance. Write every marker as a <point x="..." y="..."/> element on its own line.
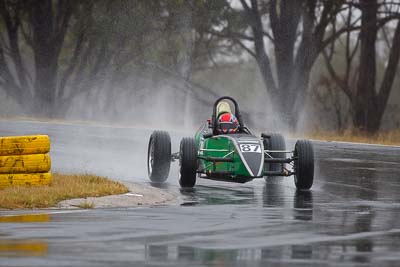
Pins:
<point x="138" y="195"/>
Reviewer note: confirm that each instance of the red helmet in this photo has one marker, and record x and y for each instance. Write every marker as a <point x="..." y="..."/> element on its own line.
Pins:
<point x="227" y="123"/>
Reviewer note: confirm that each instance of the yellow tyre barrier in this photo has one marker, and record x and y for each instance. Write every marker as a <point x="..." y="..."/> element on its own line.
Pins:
<point x="24" y="145"/>
<point x="25" y="179"/>
<point x="25" y="163"/>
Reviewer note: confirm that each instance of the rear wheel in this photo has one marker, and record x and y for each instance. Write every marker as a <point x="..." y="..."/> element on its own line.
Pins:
<point x="159" y="156"/>
<point x="275" y="142"/>
<point x="188" y="162"/>
<point x="303" y="164"/>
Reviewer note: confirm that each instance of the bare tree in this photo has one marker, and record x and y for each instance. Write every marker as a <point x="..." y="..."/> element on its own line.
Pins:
<point x="53" y="52"/>
<point x="298" y="35"/>
<point x="368" y="99"/>
<point x="43" y="26"/>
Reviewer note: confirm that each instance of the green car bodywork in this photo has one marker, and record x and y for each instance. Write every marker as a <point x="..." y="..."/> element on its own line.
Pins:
<point x="214" y="150"/>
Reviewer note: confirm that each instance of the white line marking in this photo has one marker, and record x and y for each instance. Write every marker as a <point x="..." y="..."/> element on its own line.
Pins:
<point x="134" y="195"/>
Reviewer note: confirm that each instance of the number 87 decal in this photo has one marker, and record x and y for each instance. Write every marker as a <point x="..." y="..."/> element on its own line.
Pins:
<point x="250" y="148"/>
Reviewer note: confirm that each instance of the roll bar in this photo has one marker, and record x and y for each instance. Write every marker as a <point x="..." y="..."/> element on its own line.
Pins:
<point x="237" y="113"/>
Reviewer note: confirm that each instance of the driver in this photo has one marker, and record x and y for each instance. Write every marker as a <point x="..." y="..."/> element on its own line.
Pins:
<point x="227" y="123"/>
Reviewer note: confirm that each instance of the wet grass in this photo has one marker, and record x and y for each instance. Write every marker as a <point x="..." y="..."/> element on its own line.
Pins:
<point x="383" y="138"/>
<point x="62" y="187"/>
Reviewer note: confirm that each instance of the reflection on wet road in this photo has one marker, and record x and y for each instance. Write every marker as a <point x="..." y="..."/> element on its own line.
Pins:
<point x="351" y="217"/>
<point x="24" y="247"/>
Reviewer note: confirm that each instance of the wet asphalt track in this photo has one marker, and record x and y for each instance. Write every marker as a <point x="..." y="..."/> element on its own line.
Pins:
<point x="351" y="217"/>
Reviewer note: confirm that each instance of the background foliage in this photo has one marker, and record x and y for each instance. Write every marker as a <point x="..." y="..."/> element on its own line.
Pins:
<point x="296" y="65"/>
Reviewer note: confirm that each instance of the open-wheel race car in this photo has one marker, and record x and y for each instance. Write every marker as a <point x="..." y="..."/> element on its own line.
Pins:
<point x="224" y="149"/>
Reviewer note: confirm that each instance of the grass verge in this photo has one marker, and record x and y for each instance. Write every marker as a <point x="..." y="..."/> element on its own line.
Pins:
<point x="63" y="187"/>
<point x="86" y="205"/>
<point x="383" y="138"/>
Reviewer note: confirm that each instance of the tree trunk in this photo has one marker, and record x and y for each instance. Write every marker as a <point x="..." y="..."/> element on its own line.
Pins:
<point x="45" y="63"/>
<point x="368" y="103"/>
<point x="49" y="28"/>
<point x="364" y="99"/>
<point x="285" y="18"/>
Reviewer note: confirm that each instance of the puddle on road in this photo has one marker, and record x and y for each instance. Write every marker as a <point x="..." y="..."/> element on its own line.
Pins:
<point x="274" y="192"/>
<point x="160" y="254"/>
<point x="361" y="251"/>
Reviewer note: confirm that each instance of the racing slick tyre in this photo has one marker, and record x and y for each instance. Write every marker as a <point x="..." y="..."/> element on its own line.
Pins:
<point x="188" y="162"/>
<point x="303" y="164"/>
<point x="159" y="156"/>
<point x="275" y="142"/>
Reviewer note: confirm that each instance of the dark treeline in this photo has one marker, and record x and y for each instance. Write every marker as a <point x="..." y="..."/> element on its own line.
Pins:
<point x="54" y="51"/>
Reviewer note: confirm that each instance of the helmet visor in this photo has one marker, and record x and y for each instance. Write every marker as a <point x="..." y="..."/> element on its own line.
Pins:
<point x="227" y="127"/>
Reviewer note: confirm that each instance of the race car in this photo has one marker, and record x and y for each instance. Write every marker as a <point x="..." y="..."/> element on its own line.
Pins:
<point x="228" y="151"/>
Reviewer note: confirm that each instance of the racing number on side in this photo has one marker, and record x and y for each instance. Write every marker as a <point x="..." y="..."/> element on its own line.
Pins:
<point x="250" y="148"/>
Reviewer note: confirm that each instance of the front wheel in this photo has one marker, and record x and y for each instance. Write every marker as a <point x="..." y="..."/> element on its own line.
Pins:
<point x="303" y="164"/>
<point x="188" y="162"/>
<point x="159" y="156"/>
